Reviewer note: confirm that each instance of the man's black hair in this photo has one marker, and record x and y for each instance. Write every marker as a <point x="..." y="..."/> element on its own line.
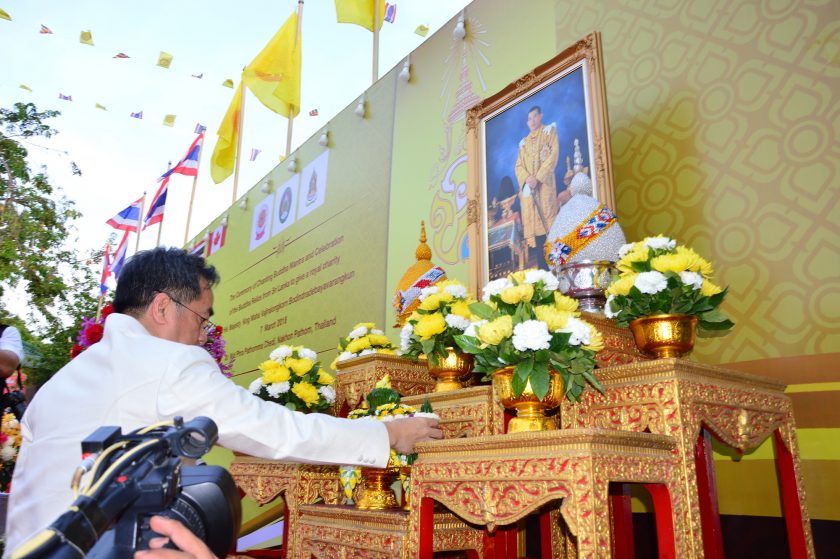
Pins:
<point x="535" y="108"/>
<point x="170" y="270"/>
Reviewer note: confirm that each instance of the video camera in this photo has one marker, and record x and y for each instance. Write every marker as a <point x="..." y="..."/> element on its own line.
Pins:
<point x="135" y="477"/>
<point x="15" y="401"/>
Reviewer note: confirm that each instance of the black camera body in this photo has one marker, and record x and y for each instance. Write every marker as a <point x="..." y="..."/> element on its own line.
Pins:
<point x="142" y="478"/>
<point x="15" y="401"/>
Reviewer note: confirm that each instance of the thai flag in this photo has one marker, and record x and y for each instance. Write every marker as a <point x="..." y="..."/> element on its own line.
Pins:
<point x="119" y="257"/>
<point x="137" y="115"/>
<point x="129" y="218"/>
<point x="65" y="97"/>
<point x="200" y="247"/>
<point x="189" y="164"/>
<point x="106" y="270"/>
<point x="390" y="12"/>
<point x="199" y="128"/>
<point x="155" y="214"/>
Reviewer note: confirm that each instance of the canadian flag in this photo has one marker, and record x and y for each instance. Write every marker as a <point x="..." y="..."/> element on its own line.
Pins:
<point x="217" y="239"/>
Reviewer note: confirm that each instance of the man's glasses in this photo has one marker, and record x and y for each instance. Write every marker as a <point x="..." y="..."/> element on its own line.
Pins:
<point x="206" y="324"/>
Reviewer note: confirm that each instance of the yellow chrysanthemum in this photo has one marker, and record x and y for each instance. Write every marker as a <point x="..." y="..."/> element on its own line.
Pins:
<point x="639" y="253"/>
<point x="596" y="339"/>
<point x="357" y="345"/>
<point x="494" y="332"/>
<point x="379" y="339"/>
<point x="334" y="363"/>
<point x="414" y="317"/>
<point x="461" y="308"/>
<point x="517" y="293"/>
<point x="670" y="263"/>
<point x="430" y="325"/>
<point x="276" y="374"/>
<point x="385" y="351"/>
<point x="695" y="263"/>
<point x="325" y="378"/>
<point x="518" y="277"/>
<point x="708" y="289"/>
<point x="433" y="301"/>
<point x="300" y="366"/>
<point x="564" y="303"/>
<point x="384" y="382"/>
<point x="622" y="285"/>
<point x="555" y="319"/>
<point x="368" y="325"/>
<point x="306" y="392"/>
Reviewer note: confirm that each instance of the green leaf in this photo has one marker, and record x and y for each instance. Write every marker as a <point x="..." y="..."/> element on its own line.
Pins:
<point x="291" y="406"/>
<point x="517" y="385"/>
<point x="540" y="382"/>
<point x="469" y="344"/>
<point x="483" y="310"/>
<point x="523" y="369"/>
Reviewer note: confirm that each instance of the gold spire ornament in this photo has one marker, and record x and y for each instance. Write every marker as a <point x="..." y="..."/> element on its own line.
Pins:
<point x="423" y="273"/>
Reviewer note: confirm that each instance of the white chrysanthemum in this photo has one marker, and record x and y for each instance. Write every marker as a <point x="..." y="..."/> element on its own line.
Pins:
<point x="8" y="452"/>
<point x="651" y="282"/>
<point x="495" y="287"/>
<point x="531" y="335"/>
<point x="345" y="355"/>
<point x="405" y="336"/>
<point x="306" y="353"/>
<point x="377" y="331"/>
<point x="659" y="243"/>
<point x="579" y="331"/>
<point x="426" y="291"/>
<point x="358" y="332"/>
<point x="608" y="312"/>
<point x="255" y="386"/>
<point x="472" y="329"/>
<point x="548" y="279"/>
<point x="457" y="291"/>
<point x="368" y="351"/>
<point x="622" y="252"/>
<point x="693" y="279"/>
<point x="455" y="321"/>
<point x="328" y="392"/>
<point x="281" y="353"/>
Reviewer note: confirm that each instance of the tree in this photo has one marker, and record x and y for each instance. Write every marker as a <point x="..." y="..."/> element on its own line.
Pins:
<point x="35" y="224"/>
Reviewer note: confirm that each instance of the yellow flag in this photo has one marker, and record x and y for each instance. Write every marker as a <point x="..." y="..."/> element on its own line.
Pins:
<point x="228" y="83"/>
<point x="169" y="120"/>
<point x="359" y="12"/>
<point x="274" y="74"/>
<point x="164" y="60"/>
<point x="224" y="154"/>
<point x="86" y="38"/>
<point x="101" y="107"/>
<point x="4" y="15"/>
<point x="422" y="30"/>
<point x="26" y="87"/>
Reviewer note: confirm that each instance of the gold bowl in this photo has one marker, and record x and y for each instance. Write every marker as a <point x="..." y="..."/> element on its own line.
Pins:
<point x="450" y="373"/>
<point x="530" y="411"/>
<point x="665" y="335"/>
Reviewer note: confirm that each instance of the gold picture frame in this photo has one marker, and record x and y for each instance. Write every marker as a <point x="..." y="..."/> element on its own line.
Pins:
<point x="504" y="218"/>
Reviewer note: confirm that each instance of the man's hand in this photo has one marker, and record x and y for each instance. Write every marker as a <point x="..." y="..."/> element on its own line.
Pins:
<point x="531" y="181"/>
<point x="403" y="434"/>
<point x="190" y="546"/>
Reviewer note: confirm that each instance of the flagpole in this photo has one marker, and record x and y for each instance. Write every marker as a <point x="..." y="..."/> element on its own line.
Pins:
<point x="99" y="307"/>
<point x="139" y="221"/>
<point x="160" y="227"/>
<point x="192" y="195"/>
<point x="376" y="23"/>
<point x="239" y="127"/>
<point x="291" y="109"/>
<point x="102" y="295"/>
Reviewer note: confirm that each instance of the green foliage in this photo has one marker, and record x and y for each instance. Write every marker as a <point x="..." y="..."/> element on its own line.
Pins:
<point x="34" y="255"/>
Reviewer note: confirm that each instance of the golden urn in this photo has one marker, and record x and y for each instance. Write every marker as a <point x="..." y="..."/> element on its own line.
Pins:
<point x="376" y="492"/>
<point x="451" y="372"/>
<point x="530" y="410"/>
<point x="665" y="335"/>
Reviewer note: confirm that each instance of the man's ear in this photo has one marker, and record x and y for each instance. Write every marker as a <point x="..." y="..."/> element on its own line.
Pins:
<point x="160" y="308"/>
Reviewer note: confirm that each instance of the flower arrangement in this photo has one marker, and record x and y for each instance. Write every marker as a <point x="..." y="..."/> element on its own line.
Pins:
<point x="215" y="346"/>
<point x="292" y="377"/>
<point x="657" y="276"/>
<point x="525" y="323"/>
<point x="91" y="331"/>
<point x="444" y="313"/>
<point x="363" y="339"/>
<point x="10" y="439"/>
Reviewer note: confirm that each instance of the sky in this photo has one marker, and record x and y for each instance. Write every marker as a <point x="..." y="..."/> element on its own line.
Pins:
<point x="121" y="157"/>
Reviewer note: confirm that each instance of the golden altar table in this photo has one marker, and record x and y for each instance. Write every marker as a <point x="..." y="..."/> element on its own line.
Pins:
<point x="497" y="480"/>
<point x="356" y="377"/>
<point x="689" y="402"/>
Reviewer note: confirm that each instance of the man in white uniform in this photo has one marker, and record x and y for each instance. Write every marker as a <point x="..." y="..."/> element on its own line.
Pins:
<point x="149" y="368"/>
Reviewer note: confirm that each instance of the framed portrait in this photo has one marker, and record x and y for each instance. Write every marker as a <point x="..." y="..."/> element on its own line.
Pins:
<point x="532" y="146"/>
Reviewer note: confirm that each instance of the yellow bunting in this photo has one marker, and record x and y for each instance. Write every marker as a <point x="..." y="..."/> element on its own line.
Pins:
<point x="100" y="106"/>
<point x="169" y="120"/>
<point x="86" y="38"/>
<point x="422" y="30"/>
<point x="4" y="15"/>
<point x="228" y="83"/>
<point x="164" y="59"/>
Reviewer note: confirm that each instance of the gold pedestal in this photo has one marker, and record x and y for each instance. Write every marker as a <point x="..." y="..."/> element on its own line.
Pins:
<point x="376" y="493"/>
<point x="356" y="377"/>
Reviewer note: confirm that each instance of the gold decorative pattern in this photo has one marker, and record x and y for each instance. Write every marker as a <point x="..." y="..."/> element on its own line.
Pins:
<point x="469" y="412"/>
<point x="678" y="398"/>
<point x="264" y="480"/>
<point x="619" y="346"/>
<point x="356" y="377"/>
<point x="497" y="480"/>
<point x="341" y="532"/>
